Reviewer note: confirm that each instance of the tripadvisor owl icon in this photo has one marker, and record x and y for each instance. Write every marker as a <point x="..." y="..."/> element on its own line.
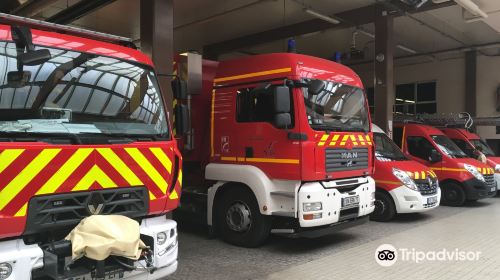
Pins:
<point x="386" y="255"/>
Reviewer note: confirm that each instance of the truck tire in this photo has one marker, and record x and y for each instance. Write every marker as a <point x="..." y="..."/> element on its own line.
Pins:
<point x="452" y="194"/>
<point x="238" y="218"/>
<point x="385" y="209"/>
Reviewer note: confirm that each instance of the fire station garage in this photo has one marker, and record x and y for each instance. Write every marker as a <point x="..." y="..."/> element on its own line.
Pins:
<point x="249" y="139"/>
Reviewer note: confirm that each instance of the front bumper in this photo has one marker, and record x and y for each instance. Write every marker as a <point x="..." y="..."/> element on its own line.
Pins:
<point x="407" y="200"/>
<point x="330" y="195"/>
<point x="25" y="259"/>
<point x="475" y="189"/>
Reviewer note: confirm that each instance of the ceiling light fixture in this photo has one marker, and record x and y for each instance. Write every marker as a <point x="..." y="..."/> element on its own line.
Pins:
<point x="322" y="16"/>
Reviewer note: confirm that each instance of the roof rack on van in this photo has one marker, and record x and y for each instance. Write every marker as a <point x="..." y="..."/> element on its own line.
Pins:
<point x="70" y="30"/>
<point x="455" y="120"/>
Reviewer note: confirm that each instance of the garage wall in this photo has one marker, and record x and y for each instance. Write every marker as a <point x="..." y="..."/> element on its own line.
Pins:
<point x="449" y="75"/>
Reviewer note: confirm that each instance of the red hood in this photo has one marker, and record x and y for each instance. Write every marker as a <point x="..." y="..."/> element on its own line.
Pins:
<point x="493" y="161"/>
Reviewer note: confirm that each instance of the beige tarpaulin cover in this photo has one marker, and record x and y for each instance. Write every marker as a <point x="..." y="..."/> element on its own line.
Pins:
<point x="99" y="236"/>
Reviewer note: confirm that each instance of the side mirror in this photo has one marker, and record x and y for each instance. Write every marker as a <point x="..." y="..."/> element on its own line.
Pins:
<point x="179" y="88"/>
<point x="32" y="58"/>
<point x="282" y="120"/>
<point x="281" y="95"/>
<point x="18" y="79"/>
<point x="315" y="87"/>
<point x="181" y="119"/>
<point x="435" y="156"/>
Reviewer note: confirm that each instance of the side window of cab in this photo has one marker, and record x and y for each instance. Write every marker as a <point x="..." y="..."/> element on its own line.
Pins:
<point x="420" y="147"/>
<point x="255" y="105"/>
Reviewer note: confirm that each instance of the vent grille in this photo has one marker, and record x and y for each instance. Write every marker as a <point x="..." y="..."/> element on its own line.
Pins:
<point x="490" y="181"/>
<point x="58" y="211"/>
<point x="345" y="160"/>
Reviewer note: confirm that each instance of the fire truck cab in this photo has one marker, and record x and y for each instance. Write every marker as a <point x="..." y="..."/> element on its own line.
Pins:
<point x="469" y="143"/>
<point x="83" y="131"/>
<point x="403" y="185"/>
<point x="282" y="144"/>
<point x="461" y="177"/>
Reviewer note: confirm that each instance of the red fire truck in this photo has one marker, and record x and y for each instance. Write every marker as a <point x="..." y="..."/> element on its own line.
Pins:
<point x="403" y="185"/>
<point x="275" y="143"/>
<point x="83" y="131"/>
<point x="461" y="177"/>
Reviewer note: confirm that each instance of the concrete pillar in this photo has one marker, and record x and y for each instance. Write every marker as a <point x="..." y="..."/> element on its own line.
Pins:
<point x="157" y="36"/>
<point x="384" y="70"/>
<point x="471" y="82"/>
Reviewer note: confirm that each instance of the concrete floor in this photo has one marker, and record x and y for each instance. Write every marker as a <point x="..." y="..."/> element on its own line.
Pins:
<point x="350" y="254"/>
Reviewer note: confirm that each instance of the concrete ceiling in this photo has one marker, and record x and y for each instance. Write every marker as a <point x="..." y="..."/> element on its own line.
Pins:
<point x="202" y="22"/>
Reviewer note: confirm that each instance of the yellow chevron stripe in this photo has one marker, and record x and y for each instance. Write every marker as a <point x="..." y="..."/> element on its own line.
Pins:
<point x="179" y="177"/>
<point x="417" y="175"/>
<point x="95" y="174"/>
<point x="163" y="158"/>
<point x="8" y="156"/>
<point x="255" y="74"/>
<point x="22" y="211"/>
<point x="353" y="140"/>
<point x="422" y="174"/>
<point x="65" y="171"/>
<point x="344" y="139"/>
<point x="323" y="140"/>
<point x="173" y="195"/>
<point x="26" y="175"/>
<point x="148" y="168"/>
<point x="115" y="161"/>
<point x="334" y="139"/>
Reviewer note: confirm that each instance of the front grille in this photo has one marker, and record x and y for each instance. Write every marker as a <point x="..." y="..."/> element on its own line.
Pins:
<point x="425" y="188"/>
<point x="59" y="211"/>
<point x="490" y="181"/>
<point x="345" y="160"/>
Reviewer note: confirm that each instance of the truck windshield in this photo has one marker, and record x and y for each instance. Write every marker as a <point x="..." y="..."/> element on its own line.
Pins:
<point x="78" y="93"/>
<point x="486" y="150"/>
<point x="385" y="149"/>
<point x="448" y="147"/>
<point x="338" y="107"/>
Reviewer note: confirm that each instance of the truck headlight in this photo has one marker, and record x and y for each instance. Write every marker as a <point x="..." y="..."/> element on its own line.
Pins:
<point x="473" y="170"/>
<point x="497" y="168"/>
<point x="161" y="238"/>
<point x="5" y="270"/>
<point x="405" y="179"/>
<point x="312" y="206"/>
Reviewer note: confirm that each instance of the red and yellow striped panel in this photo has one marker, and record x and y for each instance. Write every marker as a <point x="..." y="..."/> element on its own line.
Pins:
<point x="421" y="175"/>
<point x="31" y="171"/>
<point x="342" y="140"/>
<point x="486" y="170"/>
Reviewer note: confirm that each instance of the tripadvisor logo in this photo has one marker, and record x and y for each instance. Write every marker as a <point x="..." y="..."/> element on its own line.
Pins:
<point x="388" y="255"/>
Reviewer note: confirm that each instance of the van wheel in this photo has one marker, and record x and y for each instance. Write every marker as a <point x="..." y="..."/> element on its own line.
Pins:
<point x="239" y="220"/>
<point x="452" y="194"/>
<point x="385" y="209"/>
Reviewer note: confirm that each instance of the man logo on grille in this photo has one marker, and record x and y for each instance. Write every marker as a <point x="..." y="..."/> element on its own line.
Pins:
<point x="95" y="204"/>
<point x="349" y="163"/>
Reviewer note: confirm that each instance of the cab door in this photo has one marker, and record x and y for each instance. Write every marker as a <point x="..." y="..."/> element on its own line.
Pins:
<point x="420" y="149"/>
<point x="261" y="142"/>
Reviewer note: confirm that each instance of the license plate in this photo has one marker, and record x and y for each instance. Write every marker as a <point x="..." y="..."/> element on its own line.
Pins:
<point x="107" y="276"/>
<point x="432" y="200"/>
<point x="350" y="201"/>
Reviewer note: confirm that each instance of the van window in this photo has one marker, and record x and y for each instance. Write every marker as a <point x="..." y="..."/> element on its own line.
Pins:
<point x="397" y="135"/>
<point x="465" y="147"/>
<point x="420" y="147"/>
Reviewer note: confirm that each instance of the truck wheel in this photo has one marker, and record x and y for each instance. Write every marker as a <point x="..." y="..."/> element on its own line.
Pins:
<point x="452" y="194"/>
<point x="239" y="220"/>
<point x="385" y="209"/>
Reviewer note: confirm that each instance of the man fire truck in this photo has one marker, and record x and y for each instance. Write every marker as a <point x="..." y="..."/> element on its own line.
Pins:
<point x="83" y="131"/>
<point x="403" y="185"/>
<point x="275" y="143"/>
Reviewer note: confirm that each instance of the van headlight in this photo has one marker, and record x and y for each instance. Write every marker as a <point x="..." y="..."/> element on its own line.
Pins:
<point x="473" y="170"/>
<point x="5" y="270"/>
<point x="405" y="179"/>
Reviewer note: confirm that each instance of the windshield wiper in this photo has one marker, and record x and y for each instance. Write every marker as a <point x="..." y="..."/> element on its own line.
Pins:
<point x="327" y="127"/>
<point x="37" y="136"/>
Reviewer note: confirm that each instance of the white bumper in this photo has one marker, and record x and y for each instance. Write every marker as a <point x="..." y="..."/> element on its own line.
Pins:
<point x="497" y="179"/>
<point x="26" y="258"/>
<point x="410" y="201"/>
<point x="331" y="200"/>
